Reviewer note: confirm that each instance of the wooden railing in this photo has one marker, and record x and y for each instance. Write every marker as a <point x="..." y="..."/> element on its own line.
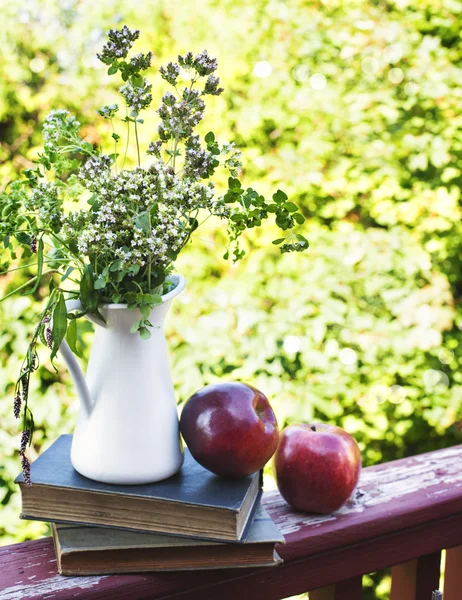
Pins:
<point x="402" y="516"/>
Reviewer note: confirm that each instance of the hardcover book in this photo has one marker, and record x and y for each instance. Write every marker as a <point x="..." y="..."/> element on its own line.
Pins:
<point x="98" y="551"/>
<point x="194" y="502"/>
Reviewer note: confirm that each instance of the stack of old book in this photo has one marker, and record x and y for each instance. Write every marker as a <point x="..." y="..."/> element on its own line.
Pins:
<point x="193" y="520"/>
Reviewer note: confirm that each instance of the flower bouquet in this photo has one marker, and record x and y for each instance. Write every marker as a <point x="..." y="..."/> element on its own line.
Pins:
<point x="105" y="234"/>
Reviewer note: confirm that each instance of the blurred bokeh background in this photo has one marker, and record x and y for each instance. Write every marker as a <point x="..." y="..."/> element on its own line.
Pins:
<point x="354" y="109"/>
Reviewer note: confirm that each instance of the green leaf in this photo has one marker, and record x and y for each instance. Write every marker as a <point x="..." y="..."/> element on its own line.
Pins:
<point x="120" y="275"/>
<point x="145" y="334"/>
<point x="97" y="312"/>
<point x="112" y="70"/>
<point x="71" y="337"/>
<point x="88" y="296"/>
<point x="100" y="283"/>
<point x="134" y="328"/>
<point x="247" y="201"/>
<point x="145" y="310"/>
<point x="173" y="152"/>
<point x="291" y="207"/>
<point x="130" y="298"/>
<point x="210" y="137"/>
<point x="230" y="197"/>
<point x="193" y="224"/>
<point x="23" y="238"/>
<point x="279" y="197"/>
<point x="67" y="273"/>
<point x="279" y="241"/>
<point x="39" y="267"/>
<point x="234" y="183"/>
<point x="142" y="222"/>
<point x="281" y="221"/>
<point x="272" y="208"/>
<point x="86" y="147"/>
<point x="137" y="80"/>
<point x="236" y="218"/>
<point x="152" y="299"/>
<point x="59" y="325"/>
<point x="301" y="238"/>
<point x="116" y="298"/>
<point x="298" y="218"/>
<point x="116" y="265"/>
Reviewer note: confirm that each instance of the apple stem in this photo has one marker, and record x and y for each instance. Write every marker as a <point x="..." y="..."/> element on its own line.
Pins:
<point x="313" y="428"/>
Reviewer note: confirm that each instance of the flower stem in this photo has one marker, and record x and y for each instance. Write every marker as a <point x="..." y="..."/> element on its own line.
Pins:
<point x="63" y="244"/>
<point x="137" y="144"/>
<point x="28" y="282"/>
<point x="53" y="260"/>
<point x="115" y="147"/>
<point x="175" y="148"/>
<point x="128" y="139"/>
<point x="150" y="256"/>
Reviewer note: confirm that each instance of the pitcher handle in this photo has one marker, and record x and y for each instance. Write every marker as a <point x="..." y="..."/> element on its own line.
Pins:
<point x="71" y="361"/>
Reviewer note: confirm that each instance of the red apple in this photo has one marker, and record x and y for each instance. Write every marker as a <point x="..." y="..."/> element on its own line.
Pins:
<point x="317" y="467"/>
<point x="230" y="428"/>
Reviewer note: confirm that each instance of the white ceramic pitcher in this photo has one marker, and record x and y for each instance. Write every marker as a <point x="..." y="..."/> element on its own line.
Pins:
<point x="127" y="431"/>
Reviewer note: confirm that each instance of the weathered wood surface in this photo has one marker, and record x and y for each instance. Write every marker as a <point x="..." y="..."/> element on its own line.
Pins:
<point x="453" y="574"/>
<point x="401" y="511"/>
<point x="404" y="581"/>
<point x="417" y="578"/>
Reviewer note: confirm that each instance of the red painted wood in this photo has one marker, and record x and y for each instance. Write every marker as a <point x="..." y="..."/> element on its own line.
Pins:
<point x="453" y="574"/>
<point x="325" y="593"/>
<point x="329" y="567"/>
<point x="265" y="584"/>
<point x="390" y="497"/>
<point x="428" y="575"/>
<point x="420" y="499"/>
<point x="350" y="589"/>
<point x="403" y="581"/>
<point x="29" y="572"/>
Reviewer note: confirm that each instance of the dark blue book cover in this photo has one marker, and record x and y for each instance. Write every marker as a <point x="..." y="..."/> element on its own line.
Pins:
<point x="182" y="505"/>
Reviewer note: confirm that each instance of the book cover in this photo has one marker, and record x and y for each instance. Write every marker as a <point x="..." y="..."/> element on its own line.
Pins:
<point x="193" y="502"/>
<point x="87" y="550"/>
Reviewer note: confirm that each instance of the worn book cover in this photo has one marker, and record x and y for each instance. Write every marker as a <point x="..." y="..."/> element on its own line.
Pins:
<point x="194" y="502"/>
<point x="84" y="550"/>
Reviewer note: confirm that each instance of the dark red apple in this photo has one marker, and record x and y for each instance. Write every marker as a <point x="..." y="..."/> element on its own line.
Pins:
<point x="230" y="428"/>
<point x="316" y="467"/>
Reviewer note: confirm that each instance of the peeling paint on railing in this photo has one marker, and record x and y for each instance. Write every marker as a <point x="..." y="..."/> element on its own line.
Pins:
<point x="381" y="485"/>
<point x="49" y="588"/>
<point x="400" y="501"/>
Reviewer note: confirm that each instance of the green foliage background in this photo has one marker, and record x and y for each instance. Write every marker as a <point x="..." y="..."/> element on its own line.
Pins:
<point x="364" y="329"/>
